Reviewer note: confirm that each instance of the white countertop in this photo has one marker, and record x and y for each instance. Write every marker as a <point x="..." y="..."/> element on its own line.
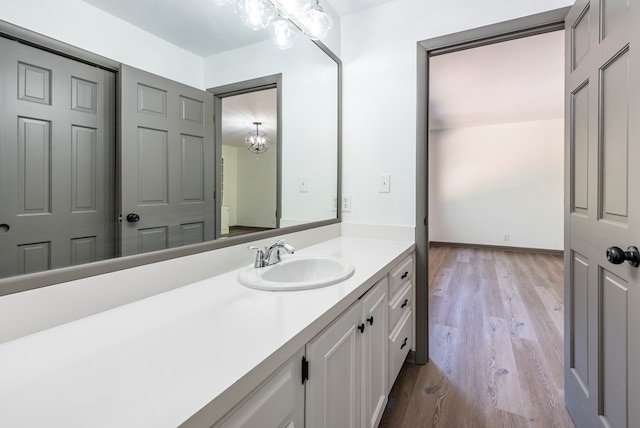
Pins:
<point x="196" y="350"/>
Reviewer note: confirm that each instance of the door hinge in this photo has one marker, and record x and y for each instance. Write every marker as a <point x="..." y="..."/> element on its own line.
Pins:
<point x="305" y="370"/>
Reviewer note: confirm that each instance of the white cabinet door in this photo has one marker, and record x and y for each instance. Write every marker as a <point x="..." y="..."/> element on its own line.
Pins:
<point x="374" y="346"/>
<point x="333" y="390"/>
<point x="278" y="403"/>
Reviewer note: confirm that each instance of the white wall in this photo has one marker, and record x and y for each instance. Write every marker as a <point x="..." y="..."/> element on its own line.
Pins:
<point x="257" y="184"/>
<point x="485" y="181"/>
<point x="87" y="27"/>
<point x="379" y="94"/>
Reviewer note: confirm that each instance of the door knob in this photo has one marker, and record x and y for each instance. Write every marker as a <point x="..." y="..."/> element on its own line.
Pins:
<point x="616" y="256"/>
<point x="133" y="218"/>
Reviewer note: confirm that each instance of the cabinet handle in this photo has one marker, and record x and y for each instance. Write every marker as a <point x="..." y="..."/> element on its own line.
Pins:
<point x="370" y="320"/>
<point x="361" y="328"/>
<point x="405" y="303"/>
<point x="404" y="343"/>
<point x="404" y="275"/>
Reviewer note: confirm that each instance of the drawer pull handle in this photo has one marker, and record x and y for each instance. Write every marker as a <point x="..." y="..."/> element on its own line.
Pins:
<point x="361" y="328"/>
<point x="404" y="343"/>
<point x="370" y="320"/>
<point x="405" y="303"/>
<point x="404" y="275"/>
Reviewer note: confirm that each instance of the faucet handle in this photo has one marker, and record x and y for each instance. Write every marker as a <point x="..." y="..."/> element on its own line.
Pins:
<point x="282" y="244"/>
<point x="259" y="256"/>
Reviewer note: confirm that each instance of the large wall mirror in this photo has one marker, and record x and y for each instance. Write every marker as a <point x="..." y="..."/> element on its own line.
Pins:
<point x="113" y="166"/>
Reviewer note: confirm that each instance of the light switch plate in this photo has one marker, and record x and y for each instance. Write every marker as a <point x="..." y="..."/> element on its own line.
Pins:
<point x="384" y="183"/>
<point x="303" y="184"/>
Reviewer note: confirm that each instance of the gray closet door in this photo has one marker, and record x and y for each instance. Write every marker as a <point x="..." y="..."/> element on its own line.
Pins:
<point x="56" y="161"/>
<point x="167" y="162"/>
<point x="602" y="346"/>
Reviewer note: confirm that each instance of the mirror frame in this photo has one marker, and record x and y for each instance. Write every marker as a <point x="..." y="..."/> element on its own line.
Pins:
<point x="32" y="281"/>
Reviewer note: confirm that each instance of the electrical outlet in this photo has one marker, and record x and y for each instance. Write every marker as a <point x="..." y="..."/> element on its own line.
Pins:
<point x="334" y="203"/>
<point x="506" y="236"/>
<point x="346" y="203"/>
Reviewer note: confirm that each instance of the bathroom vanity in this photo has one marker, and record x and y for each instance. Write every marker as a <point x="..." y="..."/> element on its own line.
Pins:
<point x="217" y="353"/>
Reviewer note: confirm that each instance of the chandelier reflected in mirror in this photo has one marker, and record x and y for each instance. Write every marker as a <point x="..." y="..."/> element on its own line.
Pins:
<point x="257" y="141"/>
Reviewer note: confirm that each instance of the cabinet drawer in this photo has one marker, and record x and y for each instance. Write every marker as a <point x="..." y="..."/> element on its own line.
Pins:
<point x="399" y="345"/>
<point x="399" y="275"/>
<point x="400" y="304"/>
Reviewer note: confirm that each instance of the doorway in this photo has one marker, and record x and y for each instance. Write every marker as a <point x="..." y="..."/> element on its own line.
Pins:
<point x="496" y="144"/>
<point x="248" y="146"/>
<point x="531" y="25"/>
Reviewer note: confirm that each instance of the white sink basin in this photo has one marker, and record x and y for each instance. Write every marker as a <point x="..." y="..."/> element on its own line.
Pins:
<point x="297" y="273"/>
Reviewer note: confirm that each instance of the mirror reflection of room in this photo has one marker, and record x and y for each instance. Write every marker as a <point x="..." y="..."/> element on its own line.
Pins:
<point x="152" y="183"/>
<point x="249" y="163"/>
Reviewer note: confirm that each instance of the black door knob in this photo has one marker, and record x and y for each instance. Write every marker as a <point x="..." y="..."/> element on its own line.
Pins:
<point x="617" y="255"/>
<point x="133" y="218"/>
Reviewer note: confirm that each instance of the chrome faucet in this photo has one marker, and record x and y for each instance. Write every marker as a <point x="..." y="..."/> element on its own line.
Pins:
<point x="270" y="255"/>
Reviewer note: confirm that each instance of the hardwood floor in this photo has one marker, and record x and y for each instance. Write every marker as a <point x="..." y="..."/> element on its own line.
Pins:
<point x="496" y="345"/>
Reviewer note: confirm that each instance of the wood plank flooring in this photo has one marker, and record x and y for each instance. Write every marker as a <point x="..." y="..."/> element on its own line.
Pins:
<point x="496" y="345"/>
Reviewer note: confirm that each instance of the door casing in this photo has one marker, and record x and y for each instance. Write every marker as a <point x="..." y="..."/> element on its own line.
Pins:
<point x="238" y="88"/>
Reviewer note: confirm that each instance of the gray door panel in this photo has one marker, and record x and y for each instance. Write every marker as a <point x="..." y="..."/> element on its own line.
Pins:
<point x="57" y="122"/>
<point x="167" y="163"/>
<point x="602" y="150"/>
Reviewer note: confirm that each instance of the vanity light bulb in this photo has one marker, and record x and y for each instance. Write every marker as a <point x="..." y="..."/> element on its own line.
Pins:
<point x="256" y="14"/>
<point x="316" y="23"/>
<point x="282" y="33"/>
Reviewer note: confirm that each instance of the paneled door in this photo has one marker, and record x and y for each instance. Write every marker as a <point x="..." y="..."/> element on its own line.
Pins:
<point x="57" y="146"/>
<point x="333" y="392"/>
<point x="167" y="163"/>
<point x="602" y="291"/>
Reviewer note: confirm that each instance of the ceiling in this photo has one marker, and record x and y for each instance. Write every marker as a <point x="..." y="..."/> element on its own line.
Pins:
<point x="198" y="26"/>
<point x="515" y="81"/>
<point x="211" y="29"/>
<point x="240" y="111"/>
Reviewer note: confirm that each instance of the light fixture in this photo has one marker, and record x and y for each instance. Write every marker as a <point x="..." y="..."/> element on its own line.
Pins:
<point x="315" y="22"/>
<point x="257" y="141"/>
<point x="256" y="14"/>
<point x="301" y="15"/>
<point x="283" y="33"/>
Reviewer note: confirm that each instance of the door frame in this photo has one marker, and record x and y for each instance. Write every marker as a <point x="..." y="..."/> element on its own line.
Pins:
<point x="509" y="30"/>
<point x="273" y="81"/>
